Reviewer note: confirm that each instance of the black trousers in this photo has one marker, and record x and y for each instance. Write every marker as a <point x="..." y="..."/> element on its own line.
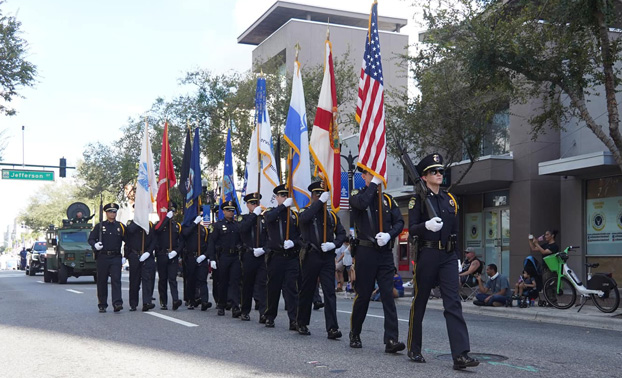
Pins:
<point x="437" y="266"/>
<point x="253" y="273"/>
<point x="167" y="274"/>
<point x="374" y="265"/>
<point x="282" y="276"/>
<point x="196" y="278"/>
<point x="318" y="265"/>
<point x="229" y="276"/>
<point x="141" y="273"/>
<point x="108" y="266"/>
<point x="316" y="296"/>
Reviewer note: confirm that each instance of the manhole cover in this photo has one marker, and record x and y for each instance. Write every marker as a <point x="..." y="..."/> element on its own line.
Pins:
<point x="482" y="357"/>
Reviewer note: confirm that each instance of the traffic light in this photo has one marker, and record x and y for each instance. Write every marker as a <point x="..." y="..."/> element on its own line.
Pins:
<point x="62" y="172"/>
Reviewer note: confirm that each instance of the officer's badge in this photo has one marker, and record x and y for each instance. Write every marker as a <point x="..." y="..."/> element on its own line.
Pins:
<point x="355" y="192"/>
<point x="436" y="158"/>
<point x="411" y="203"/>
<point x="239" y="218"/>
<point x="118" y="229"/>
<point x="386" y="203"/>
<point x="452" y="203"/>
<point x="210" y="228"/>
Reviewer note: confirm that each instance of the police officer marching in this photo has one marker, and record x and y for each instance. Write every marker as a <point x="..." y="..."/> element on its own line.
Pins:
<point x="374" y="259"/>
<point x="253" y="258"/>
<point x="322" y="232"/>
<point x="224" y="252"/>
<point x="107" y="249"/>
<point x="168" y="243"/>
<point x="436" y="263"/>
<point x="282" y="247"/>
<point x="195" y="238"/>
<point x="139" y="252"/>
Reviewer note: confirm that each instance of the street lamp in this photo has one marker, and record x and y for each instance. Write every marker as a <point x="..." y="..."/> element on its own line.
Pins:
<point x="351" y="167"/>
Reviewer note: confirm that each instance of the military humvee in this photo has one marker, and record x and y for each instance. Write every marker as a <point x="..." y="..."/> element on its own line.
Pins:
<point x="69" y="253"/>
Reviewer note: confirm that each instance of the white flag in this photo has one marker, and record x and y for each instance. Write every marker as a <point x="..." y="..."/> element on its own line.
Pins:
<point x="146" y="185"/>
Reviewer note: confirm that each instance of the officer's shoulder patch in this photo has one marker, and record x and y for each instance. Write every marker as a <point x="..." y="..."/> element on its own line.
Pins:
<point x="210" y="228"/>
<point x="239" y="218"/>
<point x="303" y="209"/>
<point x="412" y="202"/>
<point x="355" y="192"/>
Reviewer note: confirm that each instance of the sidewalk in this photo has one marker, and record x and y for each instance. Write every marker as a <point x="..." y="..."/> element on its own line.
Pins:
<point x="589" y="316"/>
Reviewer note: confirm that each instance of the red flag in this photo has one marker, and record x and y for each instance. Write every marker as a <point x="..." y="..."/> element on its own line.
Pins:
<point x="324" y="144"/>
<point x="166" y="179"/>
<point x="370" y="105"/>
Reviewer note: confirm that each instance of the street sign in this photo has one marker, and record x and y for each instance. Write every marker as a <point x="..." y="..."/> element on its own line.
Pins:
<point x="22" y="174"/>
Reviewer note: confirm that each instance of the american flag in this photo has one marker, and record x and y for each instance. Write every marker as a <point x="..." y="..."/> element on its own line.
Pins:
<point x="358" y="183"/>
<point x="370" y="105"/>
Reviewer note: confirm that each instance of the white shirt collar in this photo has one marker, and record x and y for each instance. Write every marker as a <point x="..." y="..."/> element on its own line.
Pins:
<point x="495" y="276"/>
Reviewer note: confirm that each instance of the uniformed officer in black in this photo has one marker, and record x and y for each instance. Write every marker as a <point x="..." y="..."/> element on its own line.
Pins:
<point x="436" y="263"/>
<point x="319" y="259"/>
<point x="223" y="249"/>
<point x="140" y="253"/>
<point x="108" y="256"/>
<point x="374" y="259"/>
<point x="195" y="238"/>
<point x="167" y="257"/>
<point x="282" y="263"/>
<point x="253" y="258"/>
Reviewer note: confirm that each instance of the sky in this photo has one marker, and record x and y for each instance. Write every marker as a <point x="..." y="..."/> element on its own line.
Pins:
<point x="101" y="63"/>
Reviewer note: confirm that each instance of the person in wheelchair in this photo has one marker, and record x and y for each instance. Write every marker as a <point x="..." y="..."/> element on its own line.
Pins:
<point x="471" y="266"/>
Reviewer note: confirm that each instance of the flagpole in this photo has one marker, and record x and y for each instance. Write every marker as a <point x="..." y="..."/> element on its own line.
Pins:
<point x="380" y="207"/>
<point x="168" y="199"/>
<point x="290" y="190"/>
<point x="259" y="163"/>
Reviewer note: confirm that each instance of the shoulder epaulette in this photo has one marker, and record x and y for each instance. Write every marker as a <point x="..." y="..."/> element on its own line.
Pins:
<point x="122" y="228"/>
<point x="334" y="219"/>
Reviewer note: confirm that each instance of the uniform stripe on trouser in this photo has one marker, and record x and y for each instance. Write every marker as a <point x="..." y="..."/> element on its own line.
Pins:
<point x="411" y="318"/>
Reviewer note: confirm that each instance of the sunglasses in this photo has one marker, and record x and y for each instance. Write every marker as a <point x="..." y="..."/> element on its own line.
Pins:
<point x="282" y="194"/>
<point x="228" y="209"/>
<point x="434" y="171"/>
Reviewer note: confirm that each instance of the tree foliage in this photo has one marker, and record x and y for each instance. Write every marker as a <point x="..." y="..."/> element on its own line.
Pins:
<point x="563" y="52"/>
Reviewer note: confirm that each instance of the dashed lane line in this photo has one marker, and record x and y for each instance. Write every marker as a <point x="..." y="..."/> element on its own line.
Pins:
<point x="171" y="319"/>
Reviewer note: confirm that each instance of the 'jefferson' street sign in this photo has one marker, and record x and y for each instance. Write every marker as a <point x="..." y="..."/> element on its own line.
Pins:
<point x="15" y="174"/>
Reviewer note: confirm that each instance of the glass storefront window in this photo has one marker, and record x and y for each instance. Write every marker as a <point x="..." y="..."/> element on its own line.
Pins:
<point x="603" y="207"/>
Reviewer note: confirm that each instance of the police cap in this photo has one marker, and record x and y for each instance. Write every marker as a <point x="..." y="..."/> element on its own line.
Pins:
<point x="252" y="198"/>
<point x="228" y="205"/>
<point x="111" y="207"/>
<point x="317" y="186"/>
<point x="280" y="189"/>
<point x="434" y="160"/>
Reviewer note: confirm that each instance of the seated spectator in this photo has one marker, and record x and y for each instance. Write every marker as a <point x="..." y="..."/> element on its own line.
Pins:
<point x="470" y="267"/>
<point x="496" y="290"/>
<point x="398" y="285"/>
<point x="525" y="287"/>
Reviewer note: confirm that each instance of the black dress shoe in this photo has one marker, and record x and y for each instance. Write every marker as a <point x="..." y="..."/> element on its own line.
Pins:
<point x="205" y="306"/>
<point x="176" y="304"/>
<point x="355" y="341"/>
<point x="262" y="319"/>
<point x="317" y="305"/>
<point x="132" y="308"/>
<point x="270" y="323"/>
<point x="197" y="302"/>
<point x="118" y="308"/>
<point x="102" y="309"/>
<point x="221" y="312"/>
<point x="303" y="330"/>
<point x="148" y="306"/>
<point x="334" y="334"/>
<point x="191" y="307"/>
<point x="464" y="361"/>
<point x="393" y="346"/>
<point x="228" y="306"/>
<point x="245" y="317"/>
<point x="292" y="325"/>
<point x="163" y="307"/>
<point x="236" y="312"/>
<point x="417" y="357"/>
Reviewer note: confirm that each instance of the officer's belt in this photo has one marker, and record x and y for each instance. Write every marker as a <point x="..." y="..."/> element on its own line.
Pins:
<point x="368" y="243"/>
<point x="109" y="253"/>
<point x="165" y="250"/>
<point x="229" y="251"/>
<point x="433" y="244"/>
<point x="285" y="253"/>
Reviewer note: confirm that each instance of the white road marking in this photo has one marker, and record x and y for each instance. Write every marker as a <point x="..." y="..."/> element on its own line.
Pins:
<point x="74" y="291"/>
<point x="40" y="282"/>
<point x="373" y="316"/>
<point x="170" y="319"/>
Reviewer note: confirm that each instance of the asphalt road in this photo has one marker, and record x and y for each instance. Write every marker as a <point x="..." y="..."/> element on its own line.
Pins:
<point x="52" y="330"/>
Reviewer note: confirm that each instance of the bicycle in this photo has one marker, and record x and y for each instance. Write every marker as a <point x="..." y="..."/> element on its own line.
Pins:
<point x="560" y="291"/>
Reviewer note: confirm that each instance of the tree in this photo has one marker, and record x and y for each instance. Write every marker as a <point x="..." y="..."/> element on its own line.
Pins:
<point x="15" y="70"/>
<point x="564" y="52"/>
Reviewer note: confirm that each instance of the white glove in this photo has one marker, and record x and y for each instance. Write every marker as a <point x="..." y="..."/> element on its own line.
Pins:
<point x="172" y="254"/>
<point x="287" y="244"/>
<point x="198" y="219"/>
<point x="99" y="246"/>
<point x="288" y="202"/>
<point x="382" y="238"/>
<point x="258" y="252"/>
<point x="200" y="259"/>
<point x="123" y="260"/>
<point x="435" y="224"/>
<point x="257" y="211"/>
<point x="213" y="264"/>
<point x="376" y="180"/>
<point x="144" y="256"/>
<point x="328" y="246"/>
<point x="169" y="215"/>
<point x="324" y="197"/>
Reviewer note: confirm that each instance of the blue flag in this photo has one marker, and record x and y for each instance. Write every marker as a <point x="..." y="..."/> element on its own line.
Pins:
<point x="227" y="192"/>
<point x="194" y="183"/>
